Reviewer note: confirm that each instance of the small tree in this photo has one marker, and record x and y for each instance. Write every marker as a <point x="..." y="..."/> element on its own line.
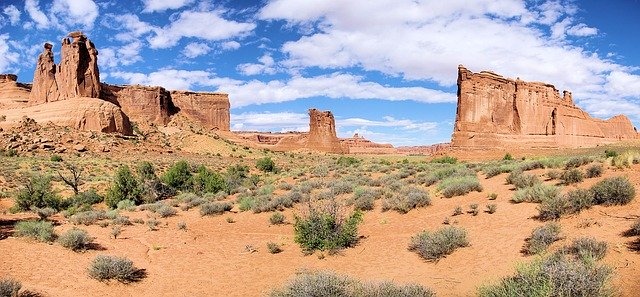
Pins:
<point x="207" y="181"/>
<point x="124" y="187"/>
<point x="37" y="193"/>
<point x="326" y="229"/>
<point x="178" y="176"/>
<point x="74" y="179"/>
<point x="266" y="164"/>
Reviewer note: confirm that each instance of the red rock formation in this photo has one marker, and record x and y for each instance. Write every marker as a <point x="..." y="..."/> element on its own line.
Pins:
<point x="359" y="145"/>
<point x="45" y="88"/>
<point x="495" y="112"/>
<point x="209" y="109"/>
<point x="140" y="103"/>
<point x="12" y="93"/>
<point x="428" y="150"/>
<point x="322" y="132"/>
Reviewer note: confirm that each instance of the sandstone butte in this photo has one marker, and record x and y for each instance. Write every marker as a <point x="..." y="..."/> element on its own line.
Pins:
<point x="70" y="94"/>
<point x="498" y="112"/>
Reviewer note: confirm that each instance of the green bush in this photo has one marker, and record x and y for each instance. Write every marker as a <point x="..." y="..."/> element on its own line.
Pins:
<point x="121" y="269"/>
<point x="542" y="237"/>
<point x="86" y="198"/>
<point x="45" y="213"/>
<point x="179" y="176"/>
<point x="572" y="176"/>
<point x="553" y="208"/>
<point x="553" y="174"/>
<point x="613" y="191"/>
<point x="215" y="208"/>
<point x="535" y="194"/>
<point x="37" y="193"/>
<point x="587" y="248"/>
<point x="146" y="171"/>
<point x="364" y="198"/>
<point x="522" y="180"/>
<point x="594" y="170"/>
<point x="76" y="239"/>
<point x="434" y="245"/>
<point x="38" y="230"/>
<point x="577" y="162"/>
<point x="207" y="181"/>
<point x="406" y="199"/>
<point x="507" y="157"/>
<point x="266" y="165"/>
<point x="56" y="158"/>
<point x="556" y="275"/>
<point x="326" y="229"/>
<point x="10" y="287"/>
<point x="459" y="186"/>
<point x="124" y="187"/>
<point x="610" y="154"/>
<point x="579" y="199"/>
<point x="126" y="204"/>
<point x="329" y="284"/>
<point x="347" y="161"/>
<point x="445" y="160"/>
<point x="277" y="218"/>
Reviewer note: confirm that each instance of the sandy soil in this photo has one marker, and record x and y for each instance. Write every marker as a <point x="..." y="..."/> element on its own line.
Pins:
<point x="210" y="257"/>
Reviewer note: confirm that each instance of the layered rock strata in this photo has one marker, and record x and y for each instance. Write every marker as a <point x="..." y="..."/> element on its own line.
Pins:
<point x="498" y="112"/>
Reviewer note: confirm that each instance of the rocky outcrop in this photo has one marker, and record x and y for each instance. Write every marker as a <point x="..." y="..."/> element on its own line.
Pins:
<point x="322" y="132"/>
<point x="498" y="112"/>
<point x="357" y="144"/>
<point x="12" y="93"/>
<point x="141" y="104"/>
<point x="80" y="113"/>
<point x="428" y="150"/>
<point x="209" y="109"/>
<point x="76" y="76"/>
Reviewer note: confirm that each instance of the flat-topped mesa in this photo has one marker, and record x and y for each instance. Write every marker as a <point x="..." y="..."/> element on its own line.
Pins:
<point x="322" y="132"/>
<point x="497" y="112"/>
<point x="75" y="76"/>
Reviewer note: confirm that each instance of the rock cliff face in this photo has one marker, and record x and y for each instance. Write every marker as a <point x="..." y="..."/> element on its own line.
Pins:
<point x="497" y="112"/>
<point x="210" y="109"/>
<point x="12" y="93"/>
<point x="140" y="103"/>
<point x="322" y="132"/>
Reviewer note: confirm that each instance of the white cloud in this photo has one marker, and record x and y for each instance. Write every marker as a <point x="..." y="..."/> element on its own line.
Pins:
<point x="130" y="25"/>
<point x="209" y="25"/>
<point x="162" y="5"/>
<point x="33" y="9"/>
<point x="13" y="13"/>
<point x="623" y="84"/>
<point x="127" y="54"/>
<point x="195" y="49"/>
<point x="582" y="30"/>
<point x="336" y="85"/>
<point x="7" y="57"/>
<point x="230" y="45"/>
<point x="388" y="122"/>
<point x="266" y="66"/>
<point x="74" y="13"/>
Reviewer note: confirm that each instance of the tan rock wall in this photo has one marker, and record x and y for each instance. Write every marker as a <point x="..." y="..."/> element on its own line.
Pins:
<point x="12" y="93"/>
<point x="322" y="132"/>
<point x="494" y="111"/>
<point x="209" y="109"/>
<point x="141" y="103"/>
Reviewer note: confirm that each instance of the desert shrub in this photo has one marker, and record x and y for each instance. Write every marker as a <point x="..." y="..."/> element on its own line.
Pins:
<point x="577" y="162"/>
<point x="326" y="228"/>
<point x="613" y="191"/>
<point x="492" y="208"/>
<point x="531" y="165"/>
<point x="459" y="186"/>
<point x="579" y="199"/>
<point x="507" y="157"/>
<point x="86" y="217"/>
<point x="45" y="213"/>
<point x="587" y="248"/>
<point x="556" y="275"/>
<point x="445" y="160"/>
<point x="325" y="283"/>
<point x="277" y="218"/>
<point x="105" y="267"/>
<point x="363" y="198"/>
<point x="406" y="200"/>
<point x="165" y="211"/>
<point x="76" y="239"/>
<point x="121" y="220"/>
<point x="146" y="171"/>
<point x="635" y="228"/>
<point x="347" y="161"/>
<point x="9" y="287"/>
<point x="434" y="245"/>
<point x="266" y="164"/>
<point x="594" y="170"/>
<point x="38" y="230"/>
<point x="124" y="187"/>
<point x="553" y="174"/>
<point x="610" y="154"/>
<point x="87" y="198"/>
<point x="273" y="248"/>
<point x="37" y="193"/>
<point x="553" y="208"/>
<point x="492" y="196"/>
<point x="522" y="180"/>
<point x="153" y="224"/>
<point x="214" y="208"/>
<point x="207" y="181"/>
<point x="572" y="176"/>
<point x="285" y="186"/>
<point x="535" y="194"/>
<point x="541" y="238"/>
<point x="126" y="204"/>
<point x="179" y="176"/>
<point x="458" y="211"/>
<point x="56" y="158"/>
<point x="341" y="187"/>
<point x="491" y="171"/>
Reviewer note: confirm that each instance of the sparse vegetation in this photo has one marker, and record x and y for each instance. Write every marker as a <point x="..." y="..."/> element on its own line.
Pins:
<point x="613" y="191"/>
<point x="492" y="208"/>
<point x="572" y="176"/>
<point x="325" y="228"/>
<point x="541" y="238"/>
<point x="459" y="185"/>
<point x="124" y="187"/>
<point x="522" y="180"/>
<point x="406" y="200"/>
<point x="37" y="193"/>
<point x="434" y="245"/>
<point x="214" y="208"/>
<point x="121" y="269"/>
<point x="587" y="248"/>
<point x="266" y="164"/>
<point x="274" y="248"/>
<point x="536" y="194"/>
<point x="38" y="230"/>
<point x="76" y="239"/>
<point x="277" y="218"/>
<point x="594" y="170"/>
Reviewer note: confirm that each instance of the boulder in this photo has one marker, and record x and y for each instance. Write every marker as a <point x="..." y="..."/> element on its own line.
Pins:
<point x="498" y="112"/>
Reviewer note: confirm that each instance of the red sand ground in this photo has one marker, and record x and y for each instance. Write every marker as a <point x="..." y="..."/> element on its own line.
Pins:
<point x="209" y="259"/>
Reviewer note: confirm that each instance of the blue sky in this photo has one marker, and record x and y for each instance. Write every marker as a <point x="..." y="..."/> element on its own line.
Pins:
<point x="386" y="68"/>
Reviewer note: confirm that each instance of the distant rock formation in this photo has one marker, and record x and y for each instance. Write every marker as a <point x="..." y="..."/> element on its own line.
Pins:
<point x="498" y="112"/>
<point x="357" y="144"/>
<point x="428" y="150"/>
<point x="322" y="132"/>
<point x="77" y="77"/>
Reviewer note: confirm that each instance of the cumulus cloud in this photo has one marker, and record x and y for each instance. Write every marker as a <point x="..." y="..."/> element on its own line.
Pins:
<point x="33" y="10"/>
<point x="336" y="86"/>
<point x="582" y="30"/>
<point x="230" y="45"/>
<point x="74" y="13"/>
<point x="7" y="56"/>
<point x="127" y="54"/>
<point x="266" y="66"/>
<point x="129" y="25"/>
<point x="162" y="5"/>
<point x="13" y="13"/>
<point x="195" y="49"/>
<point x="623" y="84"/>
<point x="207" y="25"/>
